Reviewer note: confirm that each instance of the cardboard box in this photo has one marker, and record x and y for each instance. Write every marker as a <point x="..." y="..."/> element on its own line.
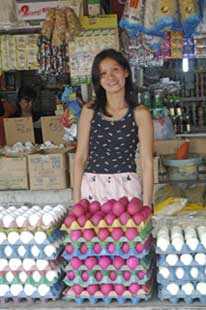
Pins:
<point x="19" y="129"/>
<point x="48" y="171"/>
<point x="13" y="173"/>
<point x="52" y="129"/>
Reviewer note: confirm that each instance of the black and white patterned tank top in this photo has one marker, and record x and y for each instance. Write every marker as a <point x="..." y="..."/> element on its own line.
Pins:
<point x="112" y="144"/>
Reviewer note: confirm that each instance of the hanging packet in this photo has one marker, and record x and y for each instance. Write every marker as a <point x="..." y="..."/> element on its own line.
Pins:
<point x="190" y="16"/>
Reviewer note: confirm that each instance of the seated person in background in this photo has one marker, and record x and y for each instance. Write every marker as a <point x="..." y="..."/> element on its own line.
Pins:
<point x="7" y="109"/>
<point x="25" y="100"/>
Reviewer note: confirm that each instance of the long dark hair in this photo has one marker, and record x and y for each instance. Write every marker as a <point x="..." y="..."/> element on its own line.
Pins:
<point x="27" y="93"/>
<point x="100" y="100"/>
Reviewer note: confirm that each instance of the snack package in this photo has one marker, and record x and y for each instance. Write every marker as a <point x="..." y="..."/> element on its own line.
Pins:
<point x="58" y="37"/>
<point x="73" y="24"/>
<point x="190" y="15"/>
<point x="48" y="24"/>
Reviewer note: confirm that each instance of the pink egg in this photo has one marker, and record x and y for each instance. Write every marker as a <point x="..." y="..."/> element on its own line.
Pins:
<point x="132" y="262"/>
<point x="141" y="274"/>
<point x="118" y="209"/>
<point x="106" y="289"/>
<point x="103" y="233"/>
<point x="85" y="276"/>
<point x="134" y="206"/>
<point x="112" y="275"/>
<point x="119" y="289"/>
<point x="131" y="233"/>
<point x="69" y="220"/>
<point x="107" y="206"/>
<point x="82" y="220"/>
<point x="90" y="262"/>
<point x="138" y="218"/>
<point x="98" y="275"/>
<point x="83" y="248"/>
<point x="109" y="218"/>
<point x="75" y="235"/>
<point x="140" y="247"/>
<point x="117" y="233"/>
<point x="147" y="210"/>
<point x="104" y="262"/>
<point x="118" y="262"/>
<point x="85" y="204"/>
<point x="126" y="275"/>
<point x="111" y="248"/>
<point x="78" y="210"/>
<point x="124" y="218"/>
<point x="94" y="207"/>
<point x="89" y="234"/>
<point x="70" y="275"/>
<point x="124" y="201"/>
<point x="125" y="247"/>
<point x="97" y="248"/>
<point x="76" y="263"/>
<point x="77" y="289"/>
<point x="92" y="289"/>
<point x="134" y="288"/>
<point x="96" y="218"/>
<point x="69" y="248"/>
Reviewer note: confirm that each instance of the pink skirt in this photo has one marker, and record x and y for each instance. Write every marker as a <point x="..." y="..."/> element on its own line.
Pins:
<point x="102" y="187"/>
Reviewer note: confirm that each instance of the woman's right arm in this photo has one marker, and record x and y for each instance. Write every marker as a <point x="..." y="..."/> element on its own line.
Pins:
<point x="81" y="155"/>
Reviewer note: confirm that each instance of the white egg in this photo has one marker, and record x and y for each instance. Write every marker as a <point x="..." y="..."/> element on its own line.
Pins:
<point x="21" y="251"/>
<point x="192" y="243"/>
<point x="176" y="230"/>
<point x="3" y="264"/>
<point x="8" y="251"/>
<point x="12" y="209"/>
<point x="4" y="289"/>
<point x="163" y="243"/>
<point x="172" y="259"/>
<point x="35" y="251"/>
<point x="26" y="237"/>
<point x="36" y="276"/>
<point x="186" y="259"/>
<point x="201" y="229"/>
<point x="194" y="272"/>
<point x="190" y="233"/>
<point x="201" y="288"/>
<point x="178" y="243"/>
<point x="28" y="264"/>
<point x="40" y="237"/>
<point x="188" y="288"/>
<point x="13" y="237"/>
<point x="179" y="272"/>
<point x="3" y="237"/>
<point x="16" y="289"/>
<point x="23" y="276"/>
<point x="8" y="221"/>
<point x="48" y="219"/>
<point x="24" y="208"/>
<point x="43" y="289"/>
<point x="29" y="289"/>
<point x="36" y="208"/>
<point x="200" y="258"/>
<point x="42" y="264"/>
<point x="51" y="275"/>
<point x="21" y="221"/>
<point x="47" y="208"/>
<point x="50" y="250"/>
<point x="164" y="272"/>
<point x="173" y="288"/>
<point x="9" y="276"/>
<point x="14" y="264"/>
<point x="34" y="220"/>
<point x="203" y="236"/>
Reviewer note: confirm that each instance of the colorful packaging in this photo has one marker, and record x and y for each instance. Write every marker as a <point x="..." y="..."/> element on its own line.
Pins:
<point x="190" y="15"/>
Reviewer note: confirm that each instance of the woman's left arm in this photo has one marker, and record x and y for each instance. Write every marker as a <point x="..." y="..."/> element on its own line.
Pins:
<point x="146" y="139"/>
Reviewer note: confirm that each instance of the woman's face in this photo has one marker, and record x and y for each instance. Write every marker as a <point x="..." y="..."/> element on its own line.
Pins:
<point x="112" y="75"/>
<point x="26" y="105"/>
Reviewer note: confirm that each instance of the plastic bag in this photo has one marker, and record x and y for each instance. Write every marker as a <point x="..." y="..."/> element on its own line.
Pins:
<point x="163" y="128"/>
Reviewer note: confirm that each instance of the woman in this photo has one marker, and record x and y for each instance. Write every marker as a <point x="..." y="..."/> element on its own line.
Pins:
<point x="109" y="132"/>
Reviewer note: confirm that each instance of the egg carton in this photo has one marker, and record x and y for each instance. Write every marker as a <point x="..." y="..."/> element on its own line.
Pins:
<point x="50" y="265"/>
<point x="105" y="252"/>
<point x="187" y="276"/>
<point x="164" y="294"/>
<point x="54" y="293"/>
<point x="161" y="261"/>
<point x="55" y="235"/>
<point x="106" y="279"/>
<point x="47" y="229"/>
<point x="102" y="224"/>
<point x="143" y="265"/>
<point x="28" y="253"/>
<point x="144" y="294"/>
<point x="185" y="249"/>
<point x="142" y="237"/>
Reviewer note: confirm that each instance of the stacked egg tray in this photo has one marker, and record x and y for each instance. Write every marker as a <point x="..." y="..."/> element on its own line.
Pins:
<point x="108" y="262"/>
<point x="181" y="264"/>
<point x="30" y="263"/>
